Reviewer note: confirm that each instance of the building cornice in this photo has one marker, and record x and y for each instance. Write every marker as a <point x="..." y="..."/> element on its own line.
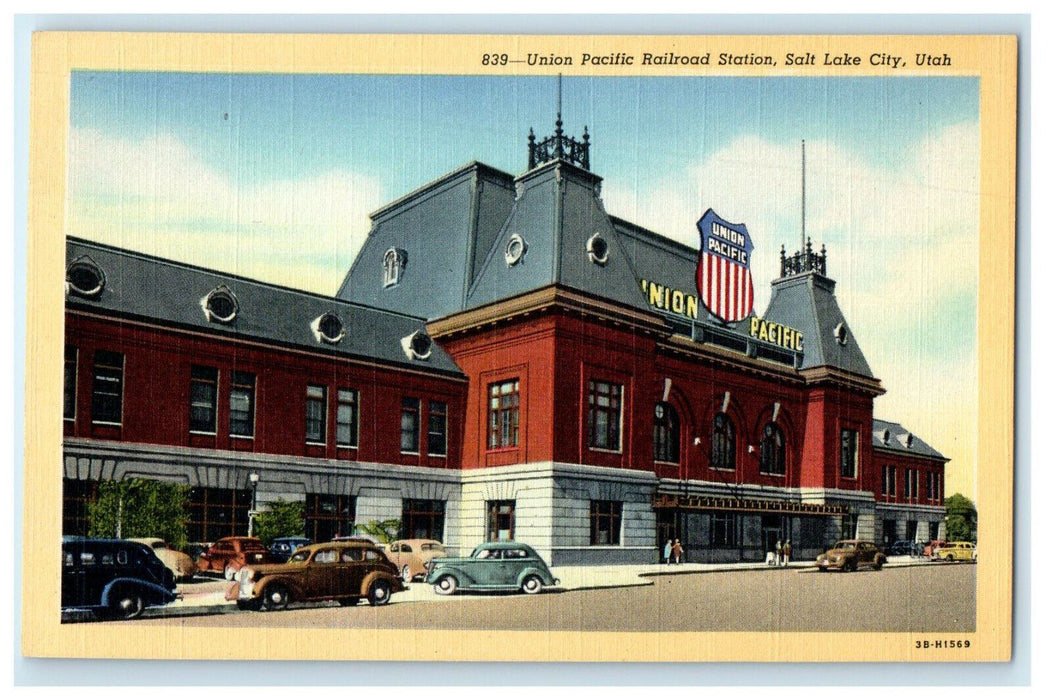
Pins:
<point x="547" y="298"/>
<point x="832" y="375"/>
<point x="682" y="345"/>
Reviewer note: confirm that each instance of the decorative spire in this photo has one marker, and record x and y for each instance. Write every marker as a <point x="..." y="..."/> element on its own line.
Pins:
<point x="559" y="146"/>
<point x="805" y="260"/>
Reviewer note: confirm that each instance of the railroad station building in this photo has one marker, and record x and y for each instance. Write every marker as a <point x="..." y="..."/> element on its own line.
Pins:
<point x="504" y="360"/>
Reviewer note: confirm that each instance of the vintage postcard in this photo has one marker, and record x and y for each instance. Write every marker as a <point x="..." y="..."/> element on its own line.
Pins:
<point x="540" y="348"/>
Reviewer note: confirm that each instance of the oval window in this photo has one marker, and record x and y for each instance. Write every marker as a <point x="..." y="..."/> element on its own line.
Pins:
<point x="840" y="333"/>
<point x="85" y="278"/>
<point x="515" y="249"/>
<point x="328" y="328"/>
<point x="220" y="305"/>
<point x="598" y="249"/>
<point x="418" y="346"/>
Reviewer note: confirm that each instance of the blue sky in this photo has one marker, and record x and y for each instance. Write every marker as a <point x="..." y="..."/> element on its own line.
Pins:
<point x="273" y="177"/>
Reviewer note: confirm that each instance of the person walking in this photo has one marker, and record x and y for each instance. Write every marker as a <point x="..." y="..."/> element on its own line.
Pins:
<point x="677" y="551"/>
<point x="778" y="553"/>
<point x="787" y="552"/>
<point x="668" y="551"/>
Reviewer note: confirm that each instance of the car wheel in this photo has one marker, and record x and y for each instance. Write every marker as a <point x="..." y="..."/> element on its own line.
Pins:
<point x="254" y="604"/>
<point x="276" y="597"/>
<point x="407" y="575"/>
<point x="380" y="593"/>
<point x="877" y="565"/>
<point x="348" y="602"/>
<point x="849" y="566"/>
<point x="128" y="606"/>
<point x="229" y="572"/>
<point x="823" y="569"/>
<point x="447" y="585"/>
<point x="949" y="557"/>
<point x="532" y="584"/>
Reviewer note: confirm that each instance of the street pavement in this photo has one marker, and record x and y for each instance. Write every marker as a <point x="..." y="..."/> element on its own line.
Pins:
<point x="206" y="596"/>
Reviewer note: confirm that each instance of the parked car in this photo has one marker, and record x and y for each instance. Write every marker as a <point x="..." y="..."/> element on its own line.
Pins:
<point x="412" y="556"/>
<point x="180" y="564"/>
<point x="900" y="547"/>
<point x="341" y="571"/>
<point x="957" y="551"/>
<point x="281" y="548"/>
<point x="117" y="578"/>
<point x="932" y="547"/>
<point x="231" y="553"/>
<point x="493" y="566"/>
<point x="848" y="555"/>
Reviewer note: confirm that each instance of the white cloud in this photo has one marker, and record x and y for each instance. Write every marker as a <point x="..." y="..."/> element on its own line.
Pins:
<point x="902" y="237"/>
<point x="157" y="196"/>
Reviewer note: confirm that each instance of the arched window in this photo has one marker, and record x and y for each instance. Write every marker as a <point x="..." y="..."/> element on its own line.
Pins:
<point x="666" y="433"/>
<point x="772" y="450"/>
<point x="394" y="262"/>
<point x="722" y="456"/>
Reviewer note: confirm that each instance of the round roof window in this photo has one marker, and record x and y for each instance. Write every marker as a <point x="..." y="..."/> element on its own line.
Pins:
<point x="840" y="333"/>
<point x="328" y="328"/>
<point x="220" y="305"/>
<point x="515" y="249"/>
<point x="598" y="249"/>
<point x="420" y="345"/>
<point x="85" y="278"/>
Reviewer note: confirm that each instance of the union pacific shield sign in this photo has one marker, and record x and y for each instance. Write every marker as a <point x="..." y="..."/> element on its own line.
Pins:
<point x="724" y="277"/>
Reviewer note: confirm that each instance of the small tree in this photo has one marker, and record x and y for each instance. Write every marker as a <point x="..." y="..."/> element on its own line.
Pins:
<point x="961" y="518"/>
<point x="384" y="530"/>
<point x="140" y="508"/>
<point x="280" y="519"/>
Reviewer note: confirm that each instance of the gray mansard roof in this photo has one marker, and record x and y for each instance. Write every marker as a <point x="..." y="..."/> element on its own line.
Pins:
<point x="143" y="287"/>
<point x="894" y="437"/>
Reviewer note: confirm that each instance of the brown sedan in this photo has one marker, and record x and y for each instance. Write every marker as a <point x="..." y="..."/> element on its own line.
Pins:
<point x="342" y="571"/>
<point x="848" y="555"/>
<point x="231" y="553"/>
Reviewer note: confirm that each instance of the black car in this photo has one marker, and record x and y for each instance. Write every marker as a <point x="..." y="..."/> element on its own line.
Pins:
<point x="116" y="578"/>
<point x="283" y="547"/>
<point x="901" y="547"/>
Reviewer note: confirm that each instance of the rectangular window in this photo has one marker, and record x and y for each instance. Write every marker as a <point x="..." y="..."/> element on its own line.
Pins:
<point x="107" y="391"/>
<point x="423" y="519"/>
<point x="929" y="485"/>
<point x="317" y="408"/>
<point x="887" y="485"/>
<point x="849" y="453"/>
<point x="722" y="531"/>
<point x="908" y="491"/>
<point x="848" y="527"/>
<point x="604" y="415"/>
<point x="217" y="513"/>
<point x="347" y="418"/>
<point x="501" y="520"/>
<point x="411" y="425"/>
<point x="69" y="385"/>
<point x="326" y="515"/>
<point x="203" y="382"/>
<point x="436" y="428"/>
<point x="504" y="414"/>
<point x="606" y="522"/>
<point x="938" y="487"/>
<point x="242" y="404"/>
<point x="76" y="497"/>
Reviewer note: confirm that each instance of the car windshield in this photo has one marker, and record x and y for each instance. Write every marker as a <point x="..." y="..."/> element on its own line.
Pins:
<point x="486" y="554"/>
<point x="249" y="546"/>
<point x="844" y="545"/>
<point x="300" y="555"/>
<point x="431" y="547"/>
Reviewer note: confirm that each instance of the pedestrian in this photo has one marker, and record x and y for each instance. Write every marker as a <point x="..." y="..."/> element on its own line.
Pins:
<point x="787" y="553"/>
<point x="668" y="551"/>
<point x="778" y="553"/>
<point x="677" y="551"/>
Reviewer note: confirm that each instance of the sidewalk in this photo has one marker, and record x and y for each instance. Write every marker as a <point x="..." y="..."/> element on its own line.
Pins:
<point x="206" y="596"/>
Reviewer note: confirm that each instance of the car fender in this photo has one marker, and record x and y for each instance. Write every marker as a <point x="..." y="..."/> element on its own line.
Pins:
<point x="456" y="572"/>
<point x="295" y="589"/>
<point x="367" y="582"/>
<point x="543" y="575"/>
<point x="153" y="593"/>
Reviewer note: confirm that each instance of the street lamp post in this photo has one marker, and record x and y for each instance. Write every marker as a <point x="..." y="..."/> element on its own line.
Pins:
<point x="254" y="480"/>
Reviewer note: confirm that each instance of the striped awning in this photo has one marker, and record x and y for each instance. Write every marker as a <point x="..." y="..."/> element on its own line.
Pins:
<point x="747" y="505"/>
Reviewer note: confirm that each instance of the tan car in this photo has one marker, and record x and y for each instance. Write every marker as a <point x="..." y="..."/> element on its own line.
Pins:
<point x="957" y="551"/>
<point x="180" y="564"/>
<point x="850" y="555"/>
<point x="342" y="571"/>
<point x="412" y="556"/>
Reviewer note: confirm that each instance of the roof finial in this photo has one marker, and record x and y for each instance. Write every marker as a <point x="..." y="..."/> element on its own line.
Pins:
<point x="803" y="192"/>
